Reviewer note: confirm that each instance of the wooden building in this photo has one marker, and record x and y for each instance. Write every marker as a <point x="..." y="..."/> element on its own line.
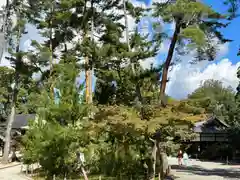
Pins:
<point x="211" y="130"/>
<point x="211" y="139"/>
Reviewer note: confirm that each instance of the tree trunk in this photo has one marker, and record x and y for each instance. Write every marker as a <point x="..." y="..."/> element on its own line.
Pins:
<point x="127" y="34"/>
<point x="9" y="125"/>
<point x="160" y="164"/>
<point x="162" y="169"/>
<point x="126" y="24"/>
<point x="168" y="62"/>
<point x="84" y="173"/>
<point x="153" y="162"/>
<point x="14" y="156"/>
<point x="14" y="96"/>
<point x="51" y="33"/>
<point x="133" y="65"/>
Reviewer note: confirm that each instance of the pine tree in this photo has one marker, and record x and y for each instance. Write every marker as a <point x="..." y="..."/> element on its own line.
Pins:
<point x="6" y="76"/>
<point x="196" y="25"/>
<point x="64" y="125"/>
<point x="21" y="68"/>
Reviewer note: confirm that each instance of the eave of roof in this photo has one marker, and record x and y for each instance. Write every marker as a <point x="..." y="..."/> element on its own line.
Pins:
<point x="199" y="125"/>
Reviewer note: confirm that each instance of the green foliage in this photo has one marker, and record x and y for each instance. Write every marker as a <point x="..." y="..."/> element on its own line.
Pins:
<point x="233" y="7"/>
<point x="6" y="76"/>
<point x="26" y="86"/>
<point x="237" y="97"/>
<point x="128" y="140"/>
<point x="198" y="26"/>
<point x="195" y="34"/>
<point x="116" y="133"/>
<point x="235" y="128"/>
<point x="60" y="131"/>
<point x="54" y="146"/>
<point x="215" y="99"/>
<point x="186" y="108"/>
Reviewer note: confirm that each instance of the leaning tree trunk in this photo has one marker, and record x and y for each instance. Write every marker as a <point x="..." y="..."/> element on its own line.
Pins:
<point x="10" y="122"/>
<point x="168" y="62"/>
<point x="18" y="59"/>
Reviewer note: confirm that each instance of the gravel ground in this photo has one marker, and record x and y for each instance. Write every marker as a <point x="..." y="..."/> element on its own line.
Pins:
<point x="197" y="170"/>
<point x="12" y="173"/>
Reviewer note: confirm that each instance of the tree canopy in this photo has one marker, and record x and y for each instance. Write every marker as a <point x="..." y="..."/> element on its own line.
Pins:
<point x="125" y="130"/>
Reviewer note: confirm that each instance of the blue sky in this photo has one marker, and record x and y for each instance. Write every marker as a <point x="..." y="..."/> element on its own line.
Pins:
<point x="185" y="78"/>
<point x="231" y="32"/>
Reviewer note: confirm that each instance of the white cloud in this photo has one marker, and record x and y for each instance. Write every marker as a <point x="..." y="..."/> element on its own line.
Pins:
<point x="185" y="78"/>
<point x="146" y="64"/>
<point x="222" y="50"/>
<point x="142" y="4"/>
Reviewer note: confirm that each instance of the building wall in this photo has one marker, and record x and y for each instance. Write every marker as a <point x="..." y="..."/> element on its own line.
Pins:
<point x="211" y="137"/>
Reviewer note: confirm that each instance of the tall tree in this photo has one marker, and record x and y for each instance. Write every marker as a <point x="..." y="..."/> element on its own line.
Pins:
<point x="21" y="68"/>
<point x="234" y="130"/>
<point x="16" y="58"/>
<point x="196" y="25"/>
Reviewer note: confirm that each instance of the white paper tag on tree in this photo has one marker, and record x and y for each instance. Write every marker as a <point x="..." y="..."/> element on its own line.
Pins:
<point x="82" y="158"/>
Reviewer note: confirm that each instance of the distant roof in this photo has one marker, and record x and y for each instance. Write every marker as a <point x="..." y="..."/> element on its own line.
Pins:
<point x="20" y="120"/>
<point x="211" y="125"/>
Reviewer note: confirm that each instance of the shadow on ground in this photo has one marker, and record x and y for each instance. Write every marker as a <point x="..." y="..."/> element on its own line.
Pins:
<point x="223" y="162"/>
<point x="198" y="170"/>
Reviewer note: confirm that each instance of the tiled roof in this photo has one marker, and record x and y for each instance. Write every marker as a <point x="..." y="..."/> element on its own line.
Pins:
<point x="208" y="125"/>
<point x="20" y="120"/>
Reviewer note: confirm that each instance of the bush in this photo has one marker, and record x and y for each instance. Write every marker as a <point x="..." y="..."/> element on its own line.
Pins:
<point x="54" y="147"/>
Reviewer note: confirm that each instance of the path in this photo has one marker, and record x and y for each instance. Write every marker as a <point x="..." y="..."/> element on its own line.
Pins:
<point x="12" y="173"/>
<point x="198" y="170"/>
